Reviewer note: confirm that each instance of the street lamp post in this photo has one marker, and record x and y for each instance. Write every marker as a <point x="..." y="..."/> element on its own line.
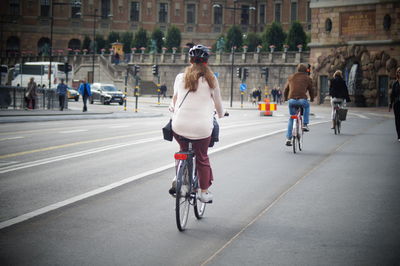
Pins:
<point x="233" y="47"/>
<point x="94" y="16"/>
<point x="94" y="43"/>
<point x="75" y="3"/>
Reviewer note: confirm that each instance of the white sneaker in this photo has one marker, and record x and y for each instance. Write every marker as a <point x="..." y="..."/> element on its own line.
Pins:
<point x="205" y="197"/>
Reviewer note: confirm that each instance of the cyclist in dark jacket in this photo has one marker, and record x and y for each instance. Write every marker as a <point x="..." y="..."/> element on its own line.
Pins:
<point x="338" y="92"/>
<point x="395" y="102"/>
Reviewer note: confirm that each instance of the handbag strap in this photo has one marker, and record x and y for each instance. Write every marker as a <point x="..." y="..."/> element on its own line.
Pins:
<point x="183" y="99"/>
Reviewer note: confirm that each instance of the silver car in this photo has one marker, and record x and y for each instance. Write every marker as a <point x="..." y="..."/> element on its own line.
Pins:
<point x="106" y="94"/>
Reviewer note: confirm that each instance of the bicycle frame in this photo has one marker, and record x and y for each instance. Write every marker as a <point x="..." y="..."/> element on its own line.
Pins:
<point x="297" y="131"/>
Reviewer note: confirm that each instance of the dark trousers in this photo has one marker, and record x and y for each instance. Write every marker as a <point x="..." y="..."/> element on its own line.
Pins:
<point x="203" y="166"/>
<point x="61" y="99"/>
<point x="396" y="110"/>
<point x="30" y="100"/>
<point x="85" y="99"/>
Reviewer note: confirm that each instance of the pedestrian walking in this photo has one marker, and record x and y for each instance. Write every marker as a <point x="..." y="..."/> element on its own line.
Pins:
<point x="279" y="93"/>
<point x="62" y="93"/>
<point x="196" y="96"/>
<point x="163" y="90"/>
<point x="117" y="58"/>
<point x="259" y="94"/>
<point x="395" y="102"/>
<point x="338" y="92"/>
<point x="85" y="91"/>
<point x="254" y="95"/>
<point x="30" y="95"/>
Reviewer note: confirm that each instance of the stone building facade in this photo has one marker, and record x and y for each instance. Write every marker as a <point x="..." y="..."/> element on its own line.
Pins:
<point x="361" y="38"/>
<point x="26" y="23"/>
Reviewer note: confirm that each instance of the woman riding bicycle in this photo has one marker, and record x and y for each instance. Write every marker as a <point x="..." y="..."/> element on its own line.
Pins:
<point x="338" y="92"/>
<point x="296" y="91"/>
<point x="198" y="94"/>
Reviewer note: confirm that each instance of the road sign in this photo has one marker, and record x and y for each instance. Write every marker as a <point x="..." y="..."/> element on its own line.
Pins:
<point x="243" y="87"/>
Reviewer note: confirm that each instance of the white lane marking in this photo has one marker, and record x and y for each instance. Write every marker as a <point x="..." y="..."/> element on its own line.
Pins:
<point x="119" y="126"/>
<point x="73" y="131"/>
<point x="360" y="116"/>
<point x="72" y="155"/>
<point x="5" y="163"/>
<point x="122" y="182"/>
<point x="12" y="138"/>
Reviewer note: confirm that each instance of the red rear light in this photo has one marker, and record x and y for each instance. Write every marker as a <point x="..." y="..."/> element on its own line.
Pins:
<point x="180" y="156"/>
<point x="293" y="116"/>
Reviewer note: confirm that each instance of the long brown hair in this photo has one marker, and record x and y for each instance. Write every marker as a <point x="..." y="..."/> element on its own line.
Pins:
<point x="196" y="71"/>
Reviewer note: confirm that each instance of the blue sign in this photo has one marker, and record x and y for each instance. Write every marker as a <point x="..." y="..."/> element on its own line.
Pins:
<point x="243" y="87"/>
<point x="216" y="74"/>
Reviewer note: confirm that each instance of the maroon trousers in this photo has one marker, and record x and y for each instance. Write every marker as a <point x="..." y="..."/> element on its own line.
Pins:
<point x="203" y="166"/>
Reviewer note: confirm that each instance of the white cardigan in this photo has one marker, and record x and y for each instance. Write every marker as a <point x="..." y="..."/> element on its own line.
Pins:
<point x="194" y="119"/>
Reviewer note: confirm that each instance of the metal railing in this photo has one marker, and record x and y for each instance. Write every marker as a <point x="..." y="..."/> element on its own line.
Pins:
<point x="12" y="97"/>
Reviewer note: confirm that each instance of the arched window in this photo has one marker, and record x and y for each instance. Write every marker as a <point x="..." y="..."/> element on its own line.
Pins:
<point x="13" y="46"/>
<point x="74" y="44"/>
<point x="43" y="46"/>
<point x="328" y="25"/>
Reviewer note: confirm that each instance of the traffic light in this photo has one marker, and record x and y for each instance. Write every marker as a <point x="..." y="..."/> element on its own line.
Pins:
<point x="265" y="72"/>
<point x="245" y="73"/>
<point x="136" y="70"/>
<point x="154" y="70"/>
<point x="239" y="72"/>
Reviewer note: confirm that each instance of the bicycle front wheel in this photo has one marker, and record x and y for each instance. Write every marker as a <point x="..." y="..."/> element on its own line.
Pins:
<point x="339" y="124"/>
<point x="182" y="202"/>
<point x="199" y="208"/>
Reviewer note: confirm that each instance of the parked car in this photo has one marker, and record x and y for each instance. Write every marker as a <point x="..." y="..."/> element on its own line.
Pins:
<point x="106" y="94"/>
<point x="73" y="94"/>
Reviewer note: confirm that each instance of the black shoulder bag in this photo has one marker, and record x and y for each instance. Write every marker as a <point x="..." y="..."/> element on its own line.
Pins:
<point x="167" y="129"/>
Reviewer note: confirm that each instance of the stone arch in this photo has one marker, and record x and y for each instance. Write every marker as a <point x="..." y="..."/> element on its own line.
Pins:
<point x="13" y="46"/>
<point x="370" y="64"/>
<point x="43" y="46"/>
<point x="74" y="44"/>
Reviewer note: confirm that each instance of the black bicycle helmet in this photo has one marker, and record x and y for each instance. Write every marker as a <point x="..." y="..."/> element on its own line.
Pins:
<point x="199" y="53"/>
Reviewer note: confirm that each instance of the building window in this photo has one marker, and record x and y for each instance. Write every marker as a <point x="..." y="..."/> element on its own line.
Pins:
<point x="105" y="8"/>
<point x="328" y="25"/>
<point x="261" y="14"/>
<point x="217" y="15"/>
<point x="191" y="13"/>
<point x="163" y="13"/>
<point x="308" y="12"/>
<point x="278" y="12"/>
<point x="75" y="11"/>
<point x="45" y="8"/>
<point x="293" y="11"/>
<point x="14" y="7"/>
<point x="135" y="11"/>
<point x="245" y="16"/>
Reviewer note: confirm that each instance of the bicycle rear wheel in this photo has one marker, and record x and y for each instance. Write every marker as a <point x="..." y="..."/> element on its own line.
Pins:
<point x="336" y="122"/>
<point x="300" y="141"/>
<point x="182" y="202"/>
<point x="294" y="140"/>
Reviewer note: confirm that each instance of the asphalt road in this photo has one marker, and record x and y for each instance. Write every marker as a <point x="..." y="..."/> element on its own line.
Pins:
<point x="97" y="194"/>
